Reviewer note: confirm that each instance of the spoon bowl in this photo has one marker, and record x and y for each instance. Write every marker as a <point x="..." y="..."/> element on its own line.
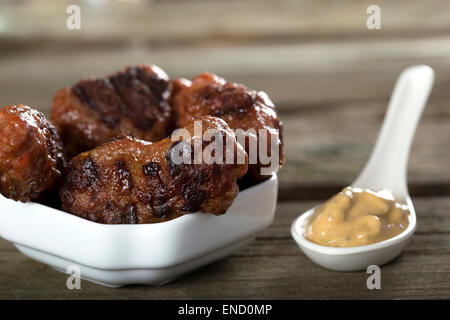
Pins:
<point x="352" y="258"/>
<point x="386" y="169"/>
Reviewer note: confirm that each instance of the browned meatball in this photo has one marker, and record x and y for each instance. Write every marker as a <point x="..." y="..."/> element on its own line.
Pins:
<point x="131" y="181"/>
<point x="239" y="106"/>
<point x="31" y="154"/>
<point x="132" y="102"/>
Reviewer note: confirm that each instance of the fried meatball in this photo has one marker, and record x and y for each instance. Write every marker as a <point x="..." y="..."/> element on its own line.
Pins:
<point x="31" y="154"/>
<point x="130" y="181"/>
<point x="133" y="102"/>
<point x="240" y="107"/>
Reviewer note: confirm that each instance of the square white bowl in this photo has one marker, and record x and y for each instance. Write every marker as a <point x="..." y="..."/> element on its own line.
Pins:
<point x="117" y="255"/>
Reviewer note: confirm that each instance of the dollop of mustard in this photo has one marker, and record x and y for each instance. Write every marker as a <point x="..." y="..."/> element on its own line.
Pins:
<point x="356" y="217"/>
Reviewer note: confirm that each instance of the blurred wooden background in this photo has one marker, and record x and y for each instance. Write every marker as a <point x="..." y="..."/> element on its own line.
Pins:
<point x="329" y="76"/>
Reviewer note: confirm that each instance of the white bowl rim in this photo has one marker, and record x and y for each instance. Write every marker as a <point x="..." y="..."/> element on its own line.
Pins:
<point x="297" y="232"/>
<point x="83" y="221"/>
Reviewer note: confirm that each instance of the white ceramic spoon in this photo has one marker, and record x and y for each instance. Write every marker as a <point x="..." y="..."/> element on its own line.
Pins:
<point x="386" y="169"/>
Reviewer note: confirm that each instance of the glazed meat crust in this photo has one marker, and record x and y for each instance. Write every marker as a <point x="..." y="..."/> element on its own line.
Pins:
<point x="239" y="106"/>
<point x="130" y="181"/>
<point x="31" y="154"/>
<point x="133" y="102"/>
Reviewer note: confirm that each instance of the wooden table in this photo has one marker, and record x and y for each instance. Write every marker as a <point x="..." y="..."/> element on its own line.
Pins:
<point x="271" y="267"/>
<point x="330" y="78"/>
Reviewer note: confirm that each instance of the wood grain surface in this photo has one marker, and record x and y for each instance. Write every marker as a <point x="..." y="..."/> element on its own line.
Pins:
<point x="331" y="116"/>
<point x="271" y="267"/>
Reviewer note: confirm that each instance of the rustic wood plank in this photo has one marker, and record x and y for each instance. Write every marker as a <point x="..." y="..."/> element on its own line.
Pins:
<point x="296" y="75"/>
<point x="162" y="22"/>
<point x="326" y="148"/>
<point x="332" y="113"/>
<point x="271" y="267"/>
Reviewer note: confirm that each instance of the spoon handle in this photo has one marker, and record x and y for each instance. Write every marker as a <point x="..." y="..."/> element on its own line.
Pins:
<point x="387" y="165"/>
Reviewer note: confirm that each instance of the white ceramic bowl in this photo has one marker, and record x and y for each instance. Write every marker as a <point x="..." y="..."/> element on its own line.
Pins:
<point x="117" y="255"/>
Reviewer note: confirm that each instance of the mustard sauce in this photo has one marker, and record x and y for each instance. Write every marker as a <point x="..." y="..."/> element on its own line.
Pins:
<point x="356" y="217"/>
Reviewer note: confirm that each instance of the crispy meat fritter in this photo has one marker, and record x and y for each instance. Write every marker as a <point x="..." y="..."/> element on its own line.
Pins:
<point x="133" y="102"/>
<point x="130" y="181"/>
<point x="31" y="154"/>
<point x="239" y="106"/>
